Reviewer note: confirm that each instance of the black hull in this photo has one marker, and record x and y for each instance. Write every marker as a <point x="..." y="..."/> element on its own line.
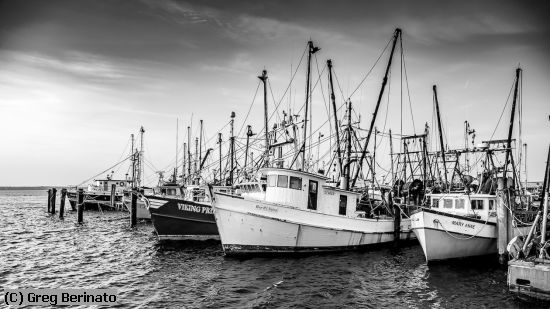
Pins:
<point x="178" y="219"/>
<point x="94" y="201"/>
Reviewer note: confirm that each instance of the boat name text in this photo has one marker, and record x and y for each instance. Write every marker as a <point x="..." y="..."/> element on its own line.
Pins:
<point x="195" y="208"/>
<point x="462" y="224"/>
<point x="266" y="208"/>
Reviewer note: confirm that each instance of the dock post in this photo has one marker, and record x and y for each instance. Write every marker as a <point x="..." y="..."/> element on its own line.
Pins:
<point x="113" y="195"/>
<point x="396" y="218"/>
<point x="54" y="193"/>
<point x="49" y="200"/>
<point x="133" y="211"/>
<point x="62" y="203"/>
<point x="502" y="221"/>
<point x="80" y="205"/>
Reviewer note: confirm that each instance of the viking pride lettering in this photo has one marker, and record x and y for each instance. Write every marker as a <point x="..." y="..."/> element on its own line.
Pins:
<point x="195" y="208"/>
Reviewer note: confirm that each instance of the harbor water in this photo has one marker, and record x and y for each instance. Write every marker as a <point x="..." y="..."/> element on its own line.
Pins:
<point x="38" y="250"/>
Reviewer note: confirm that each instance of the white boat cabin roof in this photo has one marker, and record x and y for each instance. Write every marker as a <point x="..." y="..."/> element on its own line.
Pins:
<point x="482" y="206"/>
<point x="307" y="191"/>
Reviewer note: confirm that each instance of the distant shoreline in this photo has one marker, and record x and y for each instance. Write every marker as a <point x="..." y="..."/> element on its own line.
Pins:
<point x="29" y="188"/>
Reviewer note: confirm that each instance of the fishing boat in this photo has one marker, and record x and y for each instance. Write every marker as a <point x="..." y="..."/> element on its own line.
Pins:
<point x="464" y="224"/>
<point x="181" y="208"/>
<point x="104" y="193"/>
<point x="179" y="212"/>
<point x="297" y="212"/>
<point x="294" y="210"/>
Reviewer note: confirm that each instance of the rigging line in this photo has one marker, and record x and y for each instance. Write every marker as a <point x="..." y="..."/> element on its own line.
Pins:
<point x="120" y="162"/>
<point x="322" y="89"/>
<point x="407" y="83"/>
<point x="250" y="108"/>
<point x="338" y="83"/>
<point x="290" y="83"/>
<point x="126" y="147"/>
<point x="502" y="113"/>
<point x="273" y="98"/>
<point x="364" y="78"/>
<point x="312" y="89"/>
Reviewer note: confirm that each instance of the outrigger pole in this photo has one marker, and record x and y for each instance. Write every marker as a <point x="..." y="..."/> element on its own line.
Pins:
<point x="511" y="128"/>
<point x="263" y="78"/>
<point x="311" y="50"/>
<point x="384" y="82"/>
<point x="441" y="136"/>
<point x="336" y="127"/>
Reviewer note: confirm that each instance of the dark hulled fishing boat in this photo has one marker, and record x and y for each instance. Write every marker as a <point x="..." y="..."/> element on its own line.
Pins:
<point x="97" y="196"/>
<point x="181" y="213"/>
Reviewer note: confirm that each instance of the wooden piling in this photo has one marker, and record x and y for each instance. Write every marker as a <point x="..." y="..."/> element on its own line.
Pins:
<point x="54" y="193"/>
<point x="502" y="221"/>
<point x="113" y="195"/>
<point x="396" y="218"/>
<point x="133" y="214"/>
<point x="49" y="200"/>
<point x="62" y="203"/>
<point x="80" y="205"/>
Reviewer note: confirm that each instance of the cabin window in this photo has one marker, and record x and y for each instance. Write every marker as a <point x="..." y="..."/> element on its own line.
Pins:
<point x="295" y="183"/>
<point x="435" y="203"/>
<point x="447" y="203"/>
<point x="491" y="205"/>
<point x="343" y="205"/>
<point x="272" y="180"/>
<point x="477" y="204"/>
<point x="459" y="204"/>
<point x="282" y="181"/>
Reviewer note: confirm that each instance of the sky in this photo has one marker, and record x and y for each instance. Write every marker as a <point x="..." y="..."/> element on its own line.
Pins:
<point x="78" y="77"/>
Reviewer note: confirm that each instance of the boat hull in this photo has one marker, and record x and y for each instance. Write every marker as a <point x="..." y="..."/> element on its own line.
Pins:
<point x="95" y="200"/>
<point x="256" y="227"/>
<point x="142" y="211"/>
<point x="178" y="219"/>
<point x="446" y="236"/>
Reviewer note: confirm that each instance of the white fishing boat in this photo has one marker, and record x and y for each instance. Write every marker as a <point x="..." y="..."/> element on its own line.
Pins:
<point x="297" y="212"/>
<point x="456" y="225"/>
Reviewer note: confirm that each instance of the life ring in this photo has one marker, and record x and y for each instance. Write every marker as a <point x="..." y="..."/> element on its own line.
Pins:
<point x="121" y="184"/>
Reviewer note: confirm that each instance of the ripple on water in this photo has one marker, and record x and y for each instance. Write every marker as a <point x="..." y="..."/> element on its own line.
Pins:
<point x="42" y="251"/>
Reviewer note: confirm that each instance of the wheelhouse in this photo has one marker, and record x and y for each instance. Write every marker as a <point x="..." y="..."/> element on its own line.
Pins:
<point x="308" y="191"/>
<point x="481" y="206"/>
<point x="106" y="185"/>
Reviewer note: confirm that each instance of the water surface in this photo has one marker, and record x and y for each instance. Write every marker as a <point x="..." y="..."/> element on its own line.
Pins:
<point x="38" y="250"/>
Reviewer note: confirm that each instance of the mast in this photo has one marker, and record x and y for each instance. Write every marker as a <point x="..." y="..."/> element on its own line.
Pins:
<point x="384" y="82"/>
<point x="220" y="143"/>
<point x="195" y="164"/>
<point x="200" y="144"/>
<point x="248" y="135"/>
<point x="140" y="158"/>
<point x="545" y="192"/>
<point x="177" y="139"/>
<point x="374" y="157"/>
<point x="263" y="78"/>
<point x="311" y="50"/>
<point x="133" y="162"/>
<point x="525" y="159"/>
<point x="344" y="181"/>
<point x="189" y="151"/>
<point x="466" y="156"/>
<point x="440" y="136"/>
<point x="391" y="160"/>
<point x="511" y="127"/>
<point x="183" y="169"/>
<point x="336" y="127"/>
<point x="232" y="148"/>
